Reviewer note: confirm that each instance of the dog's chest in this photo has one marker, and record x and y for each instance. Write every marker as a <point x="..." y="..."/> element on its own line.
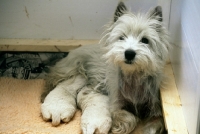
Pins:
<point x="134" y="95"/>
<point x="133" y="88"/>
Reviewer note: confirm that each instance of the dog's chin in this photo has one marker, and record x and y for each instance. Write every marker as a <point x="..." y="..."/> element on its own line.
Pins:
<point x="128" y="67"/>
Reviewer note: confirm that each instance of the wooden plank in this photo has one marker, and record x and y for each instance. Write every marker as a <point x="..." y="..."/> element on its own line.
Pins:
<point x="172" y="107"/>
<point x="40" y="45"/>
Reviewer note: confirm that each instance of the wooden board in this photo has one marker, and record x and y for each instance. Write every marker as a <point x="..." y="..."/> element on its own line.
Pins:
<point x="172" y="107"/>
<point x="39" y="45"/>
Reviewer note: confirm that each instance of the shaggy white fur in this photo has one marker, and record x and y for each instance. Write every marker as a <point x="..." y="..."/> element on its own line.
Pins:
<point x="116" y="83"/>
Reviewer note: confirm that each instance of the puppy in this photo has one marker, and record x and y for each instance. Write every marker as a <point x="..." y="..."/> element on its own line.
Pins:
<point x="115" y="83"/>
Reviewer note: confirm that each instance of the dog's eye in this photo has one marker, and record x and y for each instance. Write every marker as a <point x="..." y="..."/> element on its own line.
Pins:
<point x="121" y="38"/>
<point x="144" y="40"/>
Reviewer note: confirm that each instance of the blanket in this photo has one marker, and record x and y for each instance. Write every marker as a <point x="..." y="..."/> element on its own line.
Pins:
<point x="20" y="109"/>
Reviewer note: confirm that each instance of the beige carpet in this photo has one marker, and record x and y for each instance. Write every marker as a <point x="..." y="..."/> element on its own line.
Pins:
<point x="20" y="110"/>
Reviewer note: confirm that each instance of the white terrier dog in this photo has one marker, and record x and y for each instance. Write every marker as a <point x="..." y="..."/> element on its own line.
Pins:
<point x="116" y="83"/>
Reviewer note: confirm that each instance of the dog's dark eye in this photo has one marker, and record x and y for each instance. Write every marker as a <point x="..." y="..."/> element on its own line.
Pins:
<point x="144" y="40"/>
<point x="121" y="38"/>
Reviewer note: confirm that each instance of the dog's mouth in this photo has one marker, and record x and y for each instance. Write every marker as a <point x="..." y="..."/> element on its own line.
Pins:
<point x="128" y="62"/>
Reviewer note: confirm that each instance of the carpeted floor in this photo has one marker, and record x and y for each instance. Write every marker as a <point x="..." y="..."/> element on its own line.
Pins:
<point x="20" y="110"/>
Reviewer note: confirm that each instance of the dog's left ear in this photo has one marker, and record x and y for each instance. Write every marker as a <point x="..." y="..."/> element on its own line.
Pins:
<point x="121" y="9"/>
<point x="156" y="13"/>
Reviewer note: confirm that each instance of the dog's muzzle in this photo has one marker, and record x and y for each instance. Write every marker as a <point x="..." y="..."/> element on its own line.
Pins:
<point x="129" y="56"/>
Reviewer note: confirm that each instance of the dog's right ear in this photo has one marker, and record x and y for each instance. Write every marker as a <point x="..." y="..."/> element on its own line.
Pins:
<point x="156" y="13"/>
<point x="121" y="8"/>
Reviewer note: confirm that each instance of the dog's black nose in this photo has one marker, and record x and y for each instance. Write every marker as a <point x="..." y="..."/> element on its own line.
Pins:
<point x="130" y="54"/>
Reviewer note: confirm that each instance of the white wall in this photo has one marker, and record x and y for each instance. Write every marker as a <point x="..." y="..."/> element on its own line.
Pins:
<point x="61" y="19"/>
<point x="184" y="28"/>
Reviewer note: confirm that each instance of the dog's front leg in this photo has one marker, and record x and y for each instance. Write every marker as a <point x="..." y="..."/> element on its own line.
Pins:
<point x="60" y="103"/>
<point x="96" y="117"/>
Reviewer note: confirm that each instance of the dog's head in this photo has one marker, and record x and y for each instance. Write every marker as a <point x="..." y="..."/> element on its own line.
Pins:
<point x="136" y="42"/>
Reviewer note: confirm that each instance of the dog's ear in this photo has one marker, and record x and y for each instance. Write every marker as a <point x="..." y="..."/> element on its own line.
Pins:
<point x="121" y="8"/>
<point x="156" y="13"/>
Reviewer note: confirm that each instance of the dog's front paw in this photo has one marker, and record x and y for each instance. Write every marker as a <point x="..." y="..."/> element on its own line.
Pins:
<point x="96" y="119"/>
<point x="57" y="112"/>
<point x="58" y="109"/>
<point x="97" y="124"/>
<point x="123" y="122"/>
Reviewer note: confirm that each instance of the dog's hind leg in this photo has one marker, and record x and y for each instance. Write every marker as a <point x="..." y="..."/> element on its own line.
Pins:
<point x="96" y="117"/>
<point x="123" y="122"/>
<point x="60" y="103"/>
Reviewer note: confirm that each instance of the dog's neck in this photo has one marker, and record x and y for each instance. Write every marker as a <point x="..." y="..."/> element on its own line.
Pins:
<point x="132" y="86"/>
